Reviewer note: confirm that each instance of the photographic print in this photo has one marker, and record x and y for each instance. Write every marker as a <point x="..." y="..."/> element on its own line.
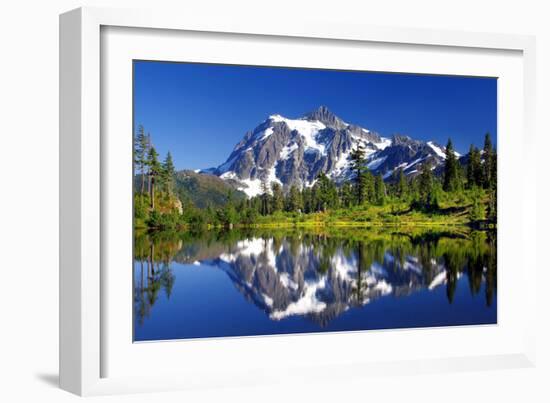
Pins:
<point x="276" y="200"/>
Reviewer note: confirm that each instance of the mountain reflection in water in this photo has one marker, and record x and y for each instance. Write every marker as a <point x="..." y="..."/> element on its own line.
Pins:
<point x="306" y="280"/>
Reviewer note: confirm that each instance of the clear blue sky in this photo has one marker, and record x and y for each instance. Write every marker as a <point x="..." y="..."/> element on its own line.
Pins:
<point x="200" y="111"/>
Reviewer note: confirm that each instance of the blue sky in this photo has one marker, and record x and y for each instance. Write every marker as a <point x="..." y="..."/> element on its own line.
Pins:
<point x="200" y="111"/>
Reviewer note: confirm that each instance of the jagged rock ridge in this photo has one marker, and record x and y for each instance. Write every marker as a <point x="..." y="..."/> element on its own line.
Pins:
<point x="295" y="151"/>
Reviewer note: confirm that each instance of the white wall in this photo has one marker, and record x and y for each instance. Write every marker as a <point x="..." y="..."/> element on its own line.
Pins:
<point x="29" y="209"/>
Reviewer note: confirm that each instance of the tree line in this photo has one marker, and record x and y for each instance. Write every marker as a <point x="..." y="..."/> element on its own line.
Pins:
<point x="155" y="194"/>
<point x="363" y="188"/>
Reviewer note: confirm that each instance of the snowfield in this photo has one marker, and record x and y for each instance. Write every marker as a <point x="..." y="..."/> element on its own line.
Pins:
<point x="307" y="129"/>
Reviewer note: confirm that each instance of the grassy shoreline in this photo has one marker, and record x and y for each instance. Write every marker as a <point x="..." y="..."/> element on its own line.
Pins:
<point x="451" y="214"/>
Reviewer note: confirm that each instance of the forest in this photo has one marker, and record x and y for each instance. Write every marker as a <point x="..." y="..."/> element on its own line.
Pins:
<point x="460" y="194"/>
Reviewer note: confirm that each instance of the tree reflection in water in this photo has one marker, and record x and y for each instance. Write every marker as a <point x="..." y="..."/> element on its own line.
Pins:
<point x="318" y="273"/>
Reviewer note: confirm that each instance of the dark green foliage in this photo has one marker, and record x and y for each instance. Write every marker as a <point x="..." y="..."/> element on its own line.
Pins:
<point x="470" y="169"/>
<point x="427" y="197"/>
<point x="379" y="190"/>
<point x="360" y="171"/>
<point x="476" y="211"/>
<point x="173" y="200"/>
<point x="401" y="186"/>
<point x="163" y="221"/>
<point x="482" y="174"/>
<point x="141" y="148"/>
<point x="277" y="198"/>
<point x="488" y="162"/>
<point x="325" y="194"/>
<point x="346" y="195"/>
<point x="167" y="174"/>
<point x="452" y="180"/>
<point x="294" y="200"/>
<point x="492" y="206"/>
<point x="474" y="169"/>
<point x="265" y="200"/>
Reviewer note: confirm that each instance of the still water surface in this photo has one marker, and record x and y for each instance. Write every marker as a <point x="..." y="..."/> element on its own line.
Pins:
<point x="252" y="282"/>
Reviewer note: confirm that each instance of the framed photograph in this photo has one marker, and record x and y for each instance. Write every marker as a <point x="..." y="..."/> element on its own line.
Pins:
<point x="243" y="203"/>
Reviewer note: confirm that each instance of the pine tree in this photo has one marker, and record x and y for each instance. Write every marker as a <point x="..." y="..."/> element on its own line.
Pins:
<point x="277" y="198"/>
<point x="470" y="169"/>
<point x="307" y="199"/>
<point x="368" y="179"/>
<point x="493" y="183"/>
<point x="326" y="193"/>
<point x="474" y="170"/>
<point x="451" y="175"/>
<point x="294" y="200"/>
<point x="154" y="170"/>
<point x="140" y="154"/>
<point x="358" y="167"/>
<point x="492" y="206"/>
<point x="265" y="207"/>
<point x="379" y="190"/>
<point x="168" y="172"/>
<point x="346" y="195"/>
<point x="488" y="161"/>
<point x="401" y="185"/>
<point x="229" y="215"/>
<point x="426" y="188"/>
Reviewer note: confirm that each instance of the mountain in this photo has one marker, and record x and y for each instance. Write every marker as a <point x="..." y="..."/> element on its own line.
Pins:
<point x="203" y="189"/>
<point x="296" y="151"/>
<point x="285" y="280"/>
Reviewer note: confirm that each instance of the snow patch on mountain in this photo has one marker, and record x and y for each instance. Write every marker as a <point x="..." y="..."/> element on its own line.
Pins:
<point x="437" y="149"/>
<point x="265" y="134"/>
<point x="341" y="165"/>
<point x="307" y="129"/>
<point x="287" y="151"/>
<point x="383" y="144"/>
<point x="375" y="163"/>
<point x="307" y="304"/>
<point x="252" y="187"/>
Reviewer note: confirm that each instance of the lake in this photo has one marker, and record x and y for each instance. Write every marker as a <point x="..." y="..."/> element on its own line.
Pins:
<point x="281" y="281"/>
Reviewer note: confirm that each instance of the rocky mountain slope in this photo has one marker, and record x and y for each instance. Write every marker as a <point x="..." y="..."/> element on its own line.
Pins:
<point x="296" y="151"/>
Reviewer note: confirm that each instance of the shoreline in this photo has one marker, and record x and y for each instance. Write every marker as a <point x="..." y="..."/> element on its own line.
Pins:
<point x="328" y="225"/>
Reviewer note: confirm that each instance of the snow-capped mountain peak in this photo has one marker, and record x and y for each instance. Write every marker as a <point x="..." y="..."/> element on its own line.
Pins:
<point x="295" y="151"/>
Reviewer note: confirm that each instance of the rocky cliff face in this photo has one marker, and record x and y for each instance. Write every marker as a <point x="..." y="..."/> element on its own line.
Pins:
<point x="295" y="151"/>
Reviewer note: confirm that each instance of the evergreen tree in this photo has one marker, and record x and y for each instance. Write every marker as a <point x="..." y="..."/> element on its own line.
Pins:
<point x="470" y="168"/>
<point x="155" y="169"/>
<point x="168" y="172"/>
<point x="401" y="187"/>
<point x="488" y="161"/>
<point x="277" y="198"/>
<point x="228" y="215"/>
<point x="474" y="170"/>
<point x="325" y="193"/>
<point x="359" y="169"/>
<point x="451" y="174"/>
<point x="140" y="154"/>
<point x="346" y="195"/>
<point x="307" y="199"/>
<point x="426" y="188"/>
<point x="492" y="206"/>
<point x="368" y="179"/>
<point x="265" y="207"/>
<point x="379" y="190"/>
<point x="294" y="200"/>
<point x="493" y="182"/>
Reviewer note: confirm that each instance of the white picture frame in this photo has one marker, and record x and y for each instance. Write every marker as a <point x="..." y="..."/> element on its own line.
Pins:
<point x="84" y="193"/>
